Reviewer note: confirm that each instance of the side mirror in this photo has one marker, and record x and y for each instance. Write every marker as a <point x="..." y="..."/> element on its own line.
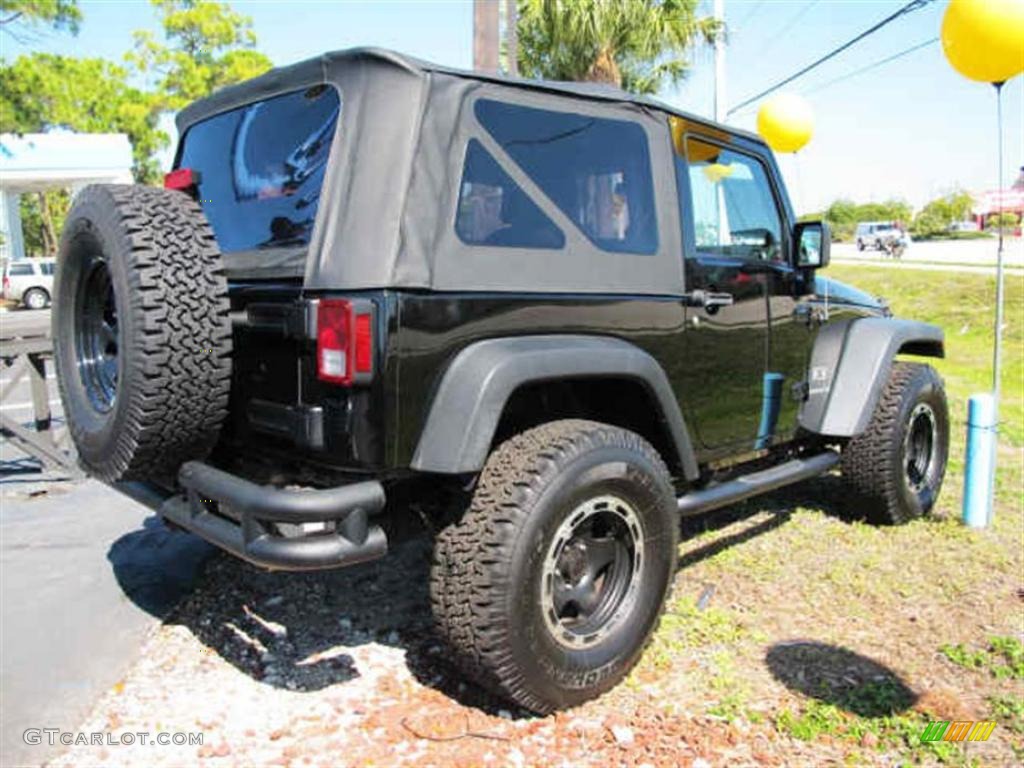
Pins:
<point x="813" y="243"/>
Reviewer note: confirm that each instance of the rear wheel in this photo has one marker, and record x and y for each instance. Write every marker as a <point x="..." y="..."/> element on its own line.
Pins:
<point x="142" y="337"/>
<point x="895" y="468"/>
<point x="551" y="583"/>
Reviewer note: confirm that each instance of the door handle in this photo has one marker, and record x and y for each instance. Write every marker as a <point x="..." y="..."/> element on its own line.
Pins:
<point x="708" y="300"/>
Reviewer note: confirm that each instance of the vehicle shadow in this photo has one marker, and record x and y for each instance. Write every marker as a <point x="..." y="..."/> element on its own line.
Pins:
<point x="839" y="676"/>
<point x="304" y="631"/>
<point x="822" y="494"/>
<point x="28" y="469"/>
<point x="157" y="567"/>
<point x="309" y="631"/>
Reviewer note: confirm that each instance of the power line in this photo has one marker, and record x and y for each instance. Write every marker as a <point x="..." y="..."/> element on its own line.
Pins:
<point x="749" y="15"/>
<point x="913" y="5"/>
<point x="862" y="70"/>
<point x="773" y="40"/>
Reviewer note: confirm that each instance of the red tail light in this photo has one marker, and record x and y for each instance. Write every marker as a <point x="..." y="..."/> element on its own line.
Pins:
<point x="7" y="283"/>
<point x="181" y="179"/>
<point x="344" y="341"/>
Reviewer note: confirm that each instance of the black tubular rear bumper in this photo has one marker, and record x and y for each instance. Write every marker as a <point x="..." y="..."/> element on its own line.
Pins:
<point x="349" y="538"/>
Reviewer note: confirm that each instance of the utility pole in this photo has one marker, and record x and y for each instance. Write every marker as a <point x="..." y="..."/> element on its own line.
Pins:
<point x="511" y="38"/>
<point x="720" y="105"/>
<point x="485" y="35"/>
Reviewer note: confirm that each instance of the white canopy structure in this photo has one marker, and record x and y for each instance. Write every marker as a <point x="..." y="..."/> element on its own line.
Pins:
<point x="33" y="162"/>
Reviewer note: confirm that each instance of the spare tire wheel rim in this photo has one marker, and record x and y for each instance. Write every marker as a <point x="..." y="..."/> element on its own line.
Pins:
<point x="919" y="447"/>
<point x="591" y="573"/>
<point x="96" y="335"/>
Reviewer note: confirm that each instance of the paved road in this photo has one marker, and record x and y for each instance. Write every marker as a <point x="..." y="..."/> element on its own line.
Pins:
<point x="20" y="321"/>
<point x="85" y="575"/>
<point x="954" y="255"/>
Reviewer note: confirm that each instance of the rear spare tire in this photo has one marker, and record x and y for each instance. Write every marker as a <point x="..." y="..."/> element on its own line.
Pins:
<point x="142" y="335"/>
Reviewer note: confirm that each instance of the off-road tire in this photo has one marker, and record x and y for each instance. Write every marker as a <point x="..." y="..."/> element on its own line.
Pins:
<point x="485" y="584"/>
<point x="874" y="463"/>
<point x="172" y="353"/>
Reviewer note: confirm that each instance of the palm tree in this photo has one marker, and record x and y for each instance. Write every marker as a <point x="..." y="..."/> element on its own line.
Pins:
<point x="634" y="44"/>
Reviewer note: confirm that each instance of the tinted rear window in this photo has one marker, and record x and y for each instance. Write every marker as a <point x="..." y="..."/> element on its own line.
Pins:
<point x="596" y="170"/>
<point x="262" y="166"/>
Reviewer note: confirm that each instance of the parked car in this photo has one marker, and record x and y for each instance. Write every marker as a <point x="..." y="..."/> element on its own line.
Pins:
<point x="29" y="282"/>
<point x="872" y="234"/>
<point x="544" y="319"/>
<point x="964" y="226"/>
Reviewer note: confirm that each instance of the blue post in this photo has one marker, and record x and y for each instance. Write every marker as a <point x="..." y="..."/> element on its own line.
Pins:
<point x="979" y="465"/>
<point x="771" y="401"/>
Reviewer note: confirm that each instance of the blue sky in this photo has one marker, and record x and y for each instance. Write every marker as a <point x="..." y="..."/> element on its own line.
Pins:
<point x="912" y="128"/>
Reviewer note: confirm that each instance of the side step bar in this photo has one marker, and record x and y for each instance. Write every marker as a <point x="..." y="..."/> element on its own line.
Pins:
<point x="756" y="483"/>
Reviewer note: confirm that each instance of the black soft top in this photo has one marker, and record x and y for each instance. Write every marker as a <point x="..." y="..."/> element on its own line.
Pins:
<point x="390" y="193"/>
<point x="320" y="67"/>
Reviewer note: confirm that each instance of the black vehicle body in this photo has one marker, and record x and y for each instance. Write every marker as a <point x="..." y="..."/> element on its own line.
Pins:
<point x="472" y="343"/>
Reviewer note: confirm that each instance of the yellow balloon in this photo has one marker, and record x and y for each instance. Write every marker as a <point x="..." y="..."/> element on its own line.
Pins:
<point x="717" y="171"/>
<point x="786" y="122"/>
<point x="984" y="39"/>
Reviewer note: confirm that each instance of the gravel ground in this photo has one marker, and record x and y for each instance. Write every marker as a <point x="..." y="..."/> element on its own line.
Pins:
<point x="342" y="668"/>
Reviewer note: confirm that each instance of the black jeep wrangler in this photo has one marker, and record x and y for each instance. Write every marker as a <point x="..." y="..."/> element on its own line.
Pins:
<point x="375" y="288"/>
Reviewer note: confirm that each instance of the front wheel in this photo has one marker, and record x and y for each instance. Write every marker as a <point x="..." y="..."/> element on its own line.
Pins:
<point x="548" y="588"/>
<point x="896" y="466"/>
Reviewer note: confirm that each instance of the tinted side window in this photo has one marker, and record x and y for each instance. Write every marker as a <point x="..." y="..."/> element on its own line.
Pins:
<point x="261" y="167"/>
<point x="19" y="269"/>
<point x="493" y="210"/>
<point x="47" y="268"/>
<point x="596" y="170"/>
<point x="734" y="212"/>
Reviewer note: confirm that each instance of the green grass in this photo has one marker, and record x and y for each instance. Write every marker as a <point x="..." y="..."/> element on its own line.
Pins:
<point x="963" y="305"/>
<point x="877" y="602"/>
<point x="1008" y="711"/>
<point x="954" y="236"/>
<point x="1003" y="658"/>
<point x="894" y="732"/>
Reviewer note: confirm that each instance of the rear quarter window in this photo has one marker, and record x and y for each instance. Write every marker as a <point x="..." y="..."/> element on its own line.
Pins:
<point x="19" y="270"/>
<point x="262" y="166"/>
<point x="493" y="210"/>
<point x="596" y="170"/>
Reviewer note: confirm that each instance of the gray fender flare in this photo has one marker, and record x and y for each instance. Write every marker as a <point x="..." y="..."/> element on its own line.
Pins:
<point x="850" y="366"/>
<point x="472" y="394"/>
